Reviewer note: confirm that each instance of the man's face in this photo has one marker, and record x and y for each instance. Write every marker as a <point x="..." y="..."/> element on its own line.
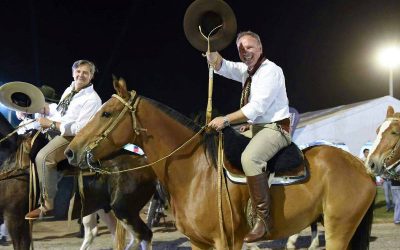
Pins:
<point x="249" y="50"/>
<point x="82" y="76"/>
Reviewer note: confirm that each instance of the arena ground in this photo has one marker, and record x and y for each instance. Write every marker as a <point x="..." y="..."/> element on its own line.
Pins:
<point x="57" y="235"/>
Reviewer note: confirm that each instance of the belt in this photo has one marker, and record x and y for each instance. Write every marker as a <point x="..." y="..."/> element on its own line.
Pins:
<point x="285" y="124"/>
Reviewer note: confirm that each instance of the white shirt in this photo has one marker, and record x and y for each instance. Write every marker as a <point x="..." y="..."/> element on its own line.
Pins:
<point x="83" y="106"/>
<point x="268" y="100"/>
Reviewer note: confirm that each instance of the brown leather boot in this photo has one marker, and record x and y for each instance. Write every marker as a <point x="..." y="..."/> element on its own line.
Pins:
<point x="261" y="199"/>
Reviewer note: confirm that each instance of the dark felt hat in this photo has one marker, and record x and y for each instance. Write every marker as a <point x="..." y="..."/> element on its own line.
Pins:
<point x="49" y="94"/>
<point x="208" y="14"/>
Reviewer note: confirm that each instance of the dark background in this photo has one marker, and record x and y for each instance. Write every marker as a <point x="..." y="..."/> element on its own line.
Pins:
<point x="325" y="48"/>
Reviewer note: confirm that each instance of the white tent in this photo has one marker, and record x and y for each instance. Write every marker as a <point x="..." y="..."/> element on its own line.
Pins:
<point x="353" y="124"/>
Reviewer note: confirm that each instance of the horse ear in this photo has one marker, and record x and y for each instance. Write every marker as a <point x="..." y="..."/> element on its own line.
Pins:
<point x="389" y="112"/>
<point x="120" y="87"/>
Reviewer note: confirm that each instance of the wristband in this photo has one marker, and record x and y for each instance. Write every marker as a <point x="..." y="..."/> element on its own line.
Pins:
<point x="226" y="122"/>
<point x="53" y="126"/>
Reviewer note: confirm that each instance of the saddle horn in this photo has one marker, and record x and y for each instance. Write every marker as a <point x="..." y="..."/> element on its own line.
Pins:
<point x="208" y="15"/>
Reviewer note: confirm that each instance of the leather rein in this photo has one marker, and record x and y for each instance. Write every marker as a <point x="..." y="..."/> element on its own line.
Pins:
<point x="130" y="105"/>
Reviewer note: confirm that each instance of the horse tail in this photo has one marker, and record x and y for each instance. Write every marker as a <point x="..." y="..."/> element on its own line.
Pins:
<point x="119" y="239"/>
<point x="360" y="239"/>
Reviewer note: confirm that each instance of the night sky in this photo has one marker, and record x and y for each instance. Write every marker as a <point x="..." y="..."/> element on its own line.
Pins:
<point x="325" y="48"/>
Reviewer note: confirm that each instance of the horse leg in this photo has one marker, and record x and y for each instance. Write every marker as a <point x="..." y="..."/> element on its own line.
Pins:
<point x="89" y="222"/>
<point x="134" y="242"/>
<point x="314" y="237"/>
<point x="109" y="219"/>
<point x="18" y="229"/>
<point x="290" y="244"/>
<point x="140" y="234"/>
<point x="338" y="232"/>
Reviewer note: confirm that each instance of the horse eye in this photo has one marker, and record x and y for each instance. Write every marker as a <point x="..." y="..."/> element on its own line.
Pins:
<point x="106" y="114"/>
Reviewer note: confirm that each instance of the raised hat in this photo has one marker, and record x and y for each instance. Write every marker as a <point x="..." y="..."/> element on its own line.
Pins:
<point x="209" y="14"/>
<point x="22" y="96"/>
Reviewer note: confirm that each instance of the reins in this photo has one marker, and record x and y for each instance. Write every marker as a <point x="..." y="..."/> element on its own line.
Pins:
<point x="102" y="171"/>
<point x="134" y="98"/>
<point x="222" y="183"/>
<point x="15" y="131"/>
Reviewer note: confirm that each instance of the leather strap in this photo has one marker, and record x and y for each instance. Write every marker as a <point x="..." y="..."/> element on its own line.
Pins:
<point x="285" y="124"/>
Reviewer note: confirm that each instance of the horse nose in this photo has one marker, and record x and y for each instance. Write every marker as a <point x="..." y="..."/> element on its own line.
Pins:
<point x="371" y="162"/>
<point x="70" y="156"/>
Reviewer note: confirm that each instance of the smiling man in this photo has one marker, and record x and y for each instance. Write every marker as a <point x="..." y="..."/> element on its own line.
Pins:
<point x="78" y="103"/>
<point x="264" y="106"/>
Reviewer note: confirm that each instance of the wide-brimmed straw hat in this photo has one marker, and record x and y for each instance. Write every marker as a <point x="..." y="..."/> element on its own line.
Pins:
<point x="22" y="96"/>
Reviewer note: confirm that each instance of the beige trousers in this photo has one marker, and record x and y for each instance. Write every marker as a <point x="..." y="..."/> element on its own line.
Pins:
<point x="46" y="163"/>
<point x="267" y="140"/>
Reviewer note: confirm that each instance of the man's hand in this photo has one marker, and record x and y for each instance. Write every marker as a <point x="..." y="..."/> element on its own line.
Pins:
<point x="244" y="128"/>
<point x="20" y="115"/>
<point x="45" y="110"/>
<point x="214" y="59"/>
<point x="218" y="123"/>
<point x="44" y="122"/>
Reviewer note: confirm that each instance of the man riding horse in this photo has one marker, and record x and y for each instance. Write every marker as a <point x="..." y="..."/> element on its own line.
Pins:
<point x="264" y="105"/>
<point x="78" y="103"/>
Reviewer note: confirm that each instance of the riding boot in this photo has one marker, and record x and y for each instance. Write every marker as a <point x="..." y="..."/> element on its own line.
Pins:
<point x="261" y="201"/>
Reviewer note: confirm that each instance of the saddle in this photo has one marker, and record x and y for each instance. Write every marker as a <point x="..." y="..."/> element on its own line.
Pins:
<point x="287" y="163"/>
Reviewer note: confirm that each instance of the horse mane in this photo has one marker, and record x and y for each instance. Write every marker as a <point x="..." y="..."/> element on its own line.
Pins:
<point x="182" y="119"/>
<point x="209" y="139"/>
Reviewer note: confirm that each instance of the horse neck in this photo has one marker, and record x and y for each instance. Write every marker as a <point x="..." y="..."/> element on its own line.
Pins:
<point x="165" y="135"/>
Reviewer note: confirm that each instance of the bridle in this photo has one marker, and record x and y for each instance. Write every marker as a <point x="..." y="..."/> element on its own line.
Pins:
<point x="391" y="170"/>
<point x="130" y="105"/>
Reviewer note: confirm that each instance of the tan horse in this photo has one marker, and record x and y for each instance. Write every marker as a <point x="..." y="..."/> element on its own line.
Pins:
<point x="339" y="189"/>
<point x="384" y="156"/>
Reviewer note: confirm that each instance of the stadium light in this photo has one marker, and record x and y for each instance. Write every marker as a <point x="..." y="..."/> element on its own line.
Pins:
<point x="389" y="57"/>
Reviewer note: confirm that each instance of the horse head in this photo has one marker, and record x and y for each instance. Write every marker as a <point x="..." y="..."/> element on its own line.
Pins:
<point x="106" y="132"/>
<point x="384" y="157"/>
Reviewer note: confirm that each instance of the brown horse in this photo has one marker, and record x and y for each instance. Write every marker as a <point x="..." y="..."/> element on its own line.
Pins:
<point x="126" y="193"/>
<point x="384" y="156"/>
<point x="339" y="188"/>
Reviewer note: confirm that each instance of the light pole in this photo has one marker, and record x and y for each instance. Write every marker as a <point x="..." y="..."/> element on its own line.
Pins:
<point x="390" y="58"/>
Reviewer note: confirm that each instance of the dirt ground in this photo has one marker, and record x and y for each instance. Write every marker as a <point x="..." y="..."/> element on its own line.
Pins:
<point x="57" y="235"/>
